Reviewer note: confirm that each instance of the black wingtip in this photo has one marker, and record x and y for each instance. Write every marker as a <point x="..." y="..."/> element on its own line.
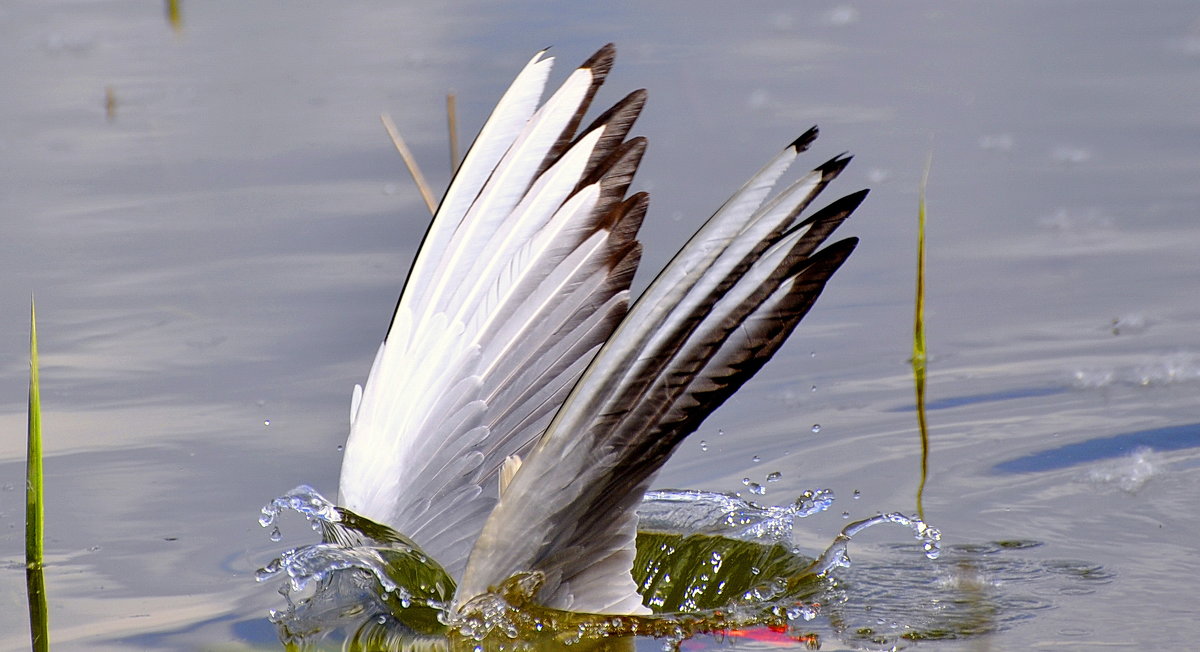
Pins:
<point x="801" y="144"/>
<point x="836" y="254"/>
<point x="830" y="217"/>
<point x="818" y="268"/>
<point x="849" y="203"/>
<point x="601" y="62"/>
<point x="834" y="166"/>
<point x="631" y="105"/>
<point x="849" y="244"/>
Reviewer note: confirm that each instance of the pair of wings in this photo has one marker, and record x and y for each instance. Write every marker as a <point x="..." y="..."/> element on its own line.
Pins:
<point x="514" y="335"/>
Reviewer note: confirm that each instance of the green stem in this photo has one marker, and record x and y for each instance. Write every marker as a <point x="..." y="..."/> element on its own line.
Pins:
<point x="39" y="625"/>
<point x="919" y="354"/>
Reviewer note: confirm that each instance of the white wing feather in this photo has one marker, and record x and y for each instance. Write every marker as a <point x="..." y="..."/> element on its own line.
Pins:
<point x="511" y="340"/>
<point x="708" y="322"/>
<point x="524" y="272"/>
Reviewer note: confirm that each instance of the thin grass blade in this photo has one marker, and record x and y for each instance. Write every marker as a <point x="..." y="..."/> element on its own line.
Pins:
<point x="919" y="354"/>
<point x="39" y="626"/>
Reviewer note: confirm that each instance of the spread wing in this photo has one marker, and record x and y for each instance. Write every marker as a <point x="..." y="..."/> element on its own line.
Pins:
<point x="711" y="319"/>
<point x="522" y="275"/>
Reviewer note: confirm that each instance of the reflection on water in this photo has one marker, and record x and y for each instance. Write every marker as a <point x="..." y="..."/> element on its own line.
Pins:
<point x="712" y="567"/>
<point x="709" y="565"/>
<point x="973" y="590"/>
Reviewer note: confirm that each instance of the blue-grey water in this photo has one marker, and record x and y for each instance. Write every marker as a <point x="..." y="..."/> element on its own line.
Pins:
<point x="215" y="227"/>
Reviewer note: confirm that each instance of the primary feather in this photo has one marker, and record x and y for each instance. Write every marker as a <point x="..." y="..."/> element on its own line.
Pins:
<point x="523" y="273"/>
<point x="513" y="350"/>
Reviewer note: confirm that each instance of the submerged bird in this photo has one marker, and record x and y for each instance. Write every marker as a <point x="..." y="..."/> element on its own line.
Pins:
<point x="521" y="404"/>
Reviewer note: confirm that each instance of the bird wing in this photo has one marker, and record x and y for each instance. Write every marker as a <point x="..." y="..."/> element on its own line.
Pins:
<point x="707" y="323"/>
<point x="522" y="275"/>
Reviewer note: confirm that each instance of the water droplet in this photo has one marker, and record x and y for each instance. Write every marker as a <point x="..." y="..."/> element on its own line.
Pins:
<point x="720" y="432"/>
<point x="816" y="427"/>
<point x="266" y="422"/>
<point x="276" y="535"/>
<point x="746" y="481"/>
<point x="803" y="612"/>
<point x="845" y="514"/>
<point x="757" y="489"/>
<point x="814" y="388"/>
<point x="812" y="354"/>
<point x="703" y="445"/>
<point x="756" y="459"/>
<point x="857" y="494"/>
<point x="774" y="476"/>
<point x="341" y="448"/>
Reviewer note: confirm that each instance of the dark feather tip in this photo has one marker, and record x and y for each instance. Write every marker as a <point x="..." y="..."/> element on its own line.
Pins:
<point x="602" y="61"/>
<point x="834" y="166"/>
<point x="805" y="139"/>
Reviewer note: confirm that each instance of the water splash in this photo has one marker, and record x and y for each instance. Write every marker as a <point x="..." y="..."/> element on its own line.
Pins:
<point x="837" y="555"/>
<point x="1129" y="473"/>
<point x="706" y="562"/>
<point x="357" y="562"/>
<point x="1156" y="371"/>
<point x="313" y="563"/>
<point x="303" y="500"/>
<point x="708" y="512"/>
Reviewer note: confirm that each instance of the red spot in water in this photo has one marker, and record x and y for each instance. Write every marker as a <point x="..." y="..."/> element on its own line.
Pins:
<point x="776" y="634"/>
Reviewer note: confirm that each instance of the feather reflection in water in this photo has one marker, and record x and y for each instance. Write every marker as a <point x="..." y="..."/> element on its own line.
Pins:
<point x="705" y="563"/>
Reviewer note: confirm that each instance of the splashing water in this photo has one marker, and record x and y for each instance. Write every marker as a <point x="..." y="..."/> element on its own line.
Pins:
<point x="1129" y="473"/>
<point x="1156" y="371"/>
<point x="314" y="563"/>
<point x="706" y="562"/>
<point x="305" y="501"/>
<point x="708" y="512"/>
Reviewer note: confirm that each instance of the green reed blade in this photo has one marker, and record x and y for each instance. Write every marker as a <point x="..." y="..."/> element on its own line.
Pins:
<point x="175" y="15"/>
<point x="919" y="355"/>
<point x="39" y="625"/>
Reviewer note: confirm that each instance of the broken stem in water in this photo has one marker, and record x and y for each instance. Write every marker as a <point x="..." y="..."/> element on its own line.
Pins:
<point x="409" y="162"/>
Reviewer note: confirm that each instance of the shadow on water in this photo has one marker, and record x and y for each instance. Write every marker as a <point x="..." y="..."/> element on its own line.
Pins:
<point x="987" y="397"/>
<point x="1102" y="448"/>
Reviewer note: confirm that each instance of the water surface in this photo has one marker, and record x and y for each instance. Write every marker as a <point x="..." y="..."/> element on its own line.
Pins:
<point x="216" y="251"/>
